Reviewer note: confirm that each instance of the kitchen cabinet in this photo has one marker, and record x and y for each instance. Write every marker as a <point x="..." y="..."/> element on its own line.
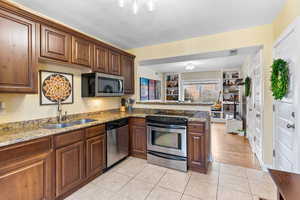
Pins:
<point x="101" y="56"/>
<point x="55" y="44"/>
<point x="25" y="171"/>
<point x="127" y="70"/>
<point x="69" y="167"/>
<point x="198" y="146"/>
<point x="95" y="150"/>
<point x="138" y="138"/>
<point x="82" y="52"/>
<point x="18" y="60"/>
<point x="114" y="63"/>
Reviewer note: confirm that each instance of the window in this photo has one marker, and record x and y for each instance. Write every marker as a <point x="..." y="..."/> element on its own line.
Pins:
<point x="201" y="91"/>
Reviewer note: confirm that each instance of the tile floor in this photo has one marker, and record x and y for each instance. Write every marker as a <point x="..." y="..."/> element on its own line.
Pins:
<point x="135" y="179"/>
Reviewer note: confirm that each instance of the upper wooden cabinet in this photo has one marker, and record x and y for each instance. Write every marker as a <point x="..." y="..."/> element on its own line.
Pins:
<point x="100" y="59"/>
<point x="127" y="69"/>
<point x="114" y="63"/>
<point x="18" y="60"/>
<point x="82" y="52"/>
<point x="55" y="44"/>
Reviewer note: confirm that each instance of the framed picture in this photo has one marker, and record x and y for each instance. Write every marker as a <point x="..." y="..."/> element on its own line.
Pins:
<point x="144" y="89"/>
<point x="158" y="90"/>
<point x="56" y="86"/>
<point x="152" y="89"/>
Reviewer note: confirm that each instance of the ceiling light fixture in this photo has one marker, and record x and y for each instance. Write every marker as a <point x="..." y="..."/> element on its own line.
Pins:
<point x="135" y="5"/>
<point x="190" y="66"/>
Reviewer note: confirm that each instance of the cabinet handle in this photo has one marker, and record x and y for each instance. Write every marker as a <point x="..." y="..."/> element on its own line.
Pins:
<point x="290" y="126"/>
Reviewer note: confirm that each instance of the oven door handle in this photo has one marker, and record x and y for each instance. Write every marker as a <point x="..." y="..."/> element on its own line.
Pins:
<point x="167" y="156"/>
<point x="166" y="126"/>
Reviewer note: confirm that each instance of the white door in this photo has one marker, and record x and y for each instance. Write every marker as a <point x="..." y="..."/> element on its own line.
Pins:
<point x="286" y="138"/>
<point x="254" y="104"/>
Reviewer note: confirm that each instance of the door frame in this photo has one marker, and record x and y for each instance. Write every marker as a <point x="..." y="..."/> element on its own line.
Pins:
<point x="293" y="27"/>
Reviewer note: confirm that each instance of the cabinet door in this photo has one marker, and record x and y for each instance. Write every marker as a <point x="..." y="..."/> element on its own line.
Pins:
<point x="127" y="69"/>
<point x="95" y="155"/>
<point x="55" y="44"/>
<point x="138" y="141"/>
<point x="196" y="151"/>
<point x="114" y="63"/>
<point x="81" y="52"/>
<point x="18" y="63"/>
<point x="100" y="59"/>
<point x="69" y="167"/>
<point x="27" y="180"/>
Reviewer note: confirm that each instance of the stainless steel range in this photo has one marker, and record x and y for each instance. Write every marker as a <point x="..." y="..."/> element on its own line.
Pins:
<point x="167" y="141"/>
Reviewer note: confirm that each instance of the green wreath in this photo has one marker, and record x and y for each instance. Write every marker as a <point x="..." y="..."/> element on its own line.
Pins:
<point x="279" y="78"/>
<point x="247" y="86"/>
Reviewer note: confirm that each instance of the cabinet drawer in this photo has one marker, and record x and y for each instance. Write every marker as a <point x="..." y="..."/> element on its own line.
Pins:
<point x="25" y="150"/>
<point x="95" y="130"/>
<point x="68" y="138"/>
<point x="138" y="121"/>
<point x="196" y="128"/>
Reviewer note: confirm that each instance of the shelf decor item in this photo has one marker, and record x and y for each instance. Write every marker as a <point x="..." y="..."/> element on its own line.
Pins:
<point x="144" y="89"/>
<point x="248" y="86"/>
<point x="55" y="86"/>
<point x="279" y="78"/>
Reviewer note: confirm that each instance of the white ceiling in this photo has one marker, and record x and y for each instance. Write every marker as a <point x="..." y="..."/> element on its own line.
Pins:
<point x="172" y="19"/>
<point x="212" y="61"/>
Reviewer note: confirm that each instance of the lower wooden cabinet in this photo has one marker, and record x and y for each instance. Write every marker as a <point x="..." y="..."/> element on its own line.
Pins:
<point x="69" y="167"/>
<point x="138" y="138"/>
<point x="95" y="155"/>
<point x="198" y="147"/>
<point x="28" y="175"/>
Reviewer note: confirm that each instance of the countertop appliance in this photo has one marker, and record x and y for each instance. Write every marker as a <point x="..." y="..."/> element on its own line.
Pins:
<point x="117" y="134"/>
<point x="167" y="141"/>
<point x="101" y="85"/>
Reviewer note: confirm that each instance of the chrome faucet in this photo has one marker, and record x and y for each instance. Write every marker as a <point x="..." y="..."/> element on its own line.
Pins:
<point x="59" y="111"/>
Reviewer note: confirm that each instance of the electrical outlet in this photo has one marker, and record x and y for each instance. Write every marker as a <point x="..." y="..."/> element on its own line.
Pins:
<point x="2" y="106"/>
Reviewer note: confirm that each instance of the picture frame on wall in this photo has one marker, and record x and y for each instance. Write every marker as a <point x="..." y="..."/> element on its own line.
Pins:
<point x="157" y="90"/>
<point x="144" y="89"/>
<point x="56" y="86"/>
<point x="152" y="89"/>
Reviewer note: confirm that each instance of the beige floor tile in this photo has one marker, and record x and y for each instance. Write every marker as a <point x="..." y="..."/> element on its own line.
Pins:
<point x="234" y="183"/>
<point x="263" y="189"/>
<point x="151" y="174"/>
<point x="215" y="166"/>
<point x="175" y="180"/>
<point x="132" y="167"/>
<point x="210" y="177"/>
<point x="136" y="190"/>
<point x="99" y="194"/>
<point x="119" y="197"/>
<point x="254" y="197"/>
<point x="226" y="194"/>
<point x="112" y="181"/>
<point x="259" y="175"/>
<point x="187" y="197"/>
<point x="159" y="193"/>
<point x="233" y="170"/>
<point x="201" y="190"/>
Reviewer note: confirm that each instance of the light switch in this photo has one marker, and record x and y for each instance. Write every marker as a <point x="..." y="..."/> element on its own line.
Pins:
<point x="2" y="105"/>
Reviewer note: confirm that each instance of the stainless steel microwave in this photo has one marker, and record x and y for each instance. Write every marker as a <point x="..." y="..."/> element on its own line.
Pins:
<point x="101" y="85"/>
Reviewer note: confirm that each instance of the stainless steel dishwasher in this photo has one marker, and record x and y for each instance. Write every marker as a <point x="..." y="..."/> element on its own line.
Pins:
<point x="117" y="141"/>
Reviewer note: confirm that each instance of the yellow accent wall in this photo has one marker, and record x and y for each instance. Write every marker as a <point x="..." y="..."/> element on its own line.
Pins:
<point x="287" y="15"/>
<point x="19" y="107"/>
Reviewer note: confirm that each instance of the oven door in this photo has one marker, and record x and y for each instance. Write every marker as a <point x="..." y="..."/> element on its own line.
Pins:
<point x="109" y="85"/>
<point x="169" y="139"/>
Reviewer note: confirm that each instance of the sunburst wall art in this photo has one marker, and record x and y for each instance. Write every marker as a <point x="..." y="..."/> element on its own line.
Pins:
<point x="56" y="86"/>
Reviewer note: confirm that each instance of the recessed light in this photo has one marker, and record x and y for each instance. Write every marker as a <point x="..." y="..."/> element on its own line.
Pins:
<point x="190" y="66"/>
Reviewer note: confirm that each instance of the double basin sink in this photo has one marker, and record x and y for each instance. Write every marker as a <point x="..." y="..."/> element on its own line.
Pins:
<point x="68" y="124"/>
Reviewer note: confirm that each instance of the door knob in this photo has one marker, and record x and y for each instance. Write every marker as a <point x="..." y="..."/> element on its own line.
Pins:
<point x="290" y="126"/>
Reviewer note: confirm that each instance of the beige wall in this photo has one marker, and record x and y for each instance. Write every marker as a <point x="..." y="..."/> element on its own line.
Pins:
<point x="25" y="107"/>
<point x="190" y="76"/>
<point x="287" y="15"/>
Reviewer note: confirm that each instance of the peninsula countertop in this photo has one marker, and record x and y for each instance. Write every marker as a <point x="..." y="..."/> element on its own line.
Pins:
<point x="9" y="137"/>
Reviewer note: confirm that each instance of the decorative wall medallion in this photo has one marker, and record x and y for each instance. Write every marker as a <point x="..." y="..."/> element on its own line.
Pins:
<point x="56" y="86"/>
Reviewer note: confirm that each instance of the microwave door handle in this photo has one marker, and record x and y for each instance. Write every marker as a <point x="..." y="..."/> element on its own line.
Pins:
<point x="121" y="86"/>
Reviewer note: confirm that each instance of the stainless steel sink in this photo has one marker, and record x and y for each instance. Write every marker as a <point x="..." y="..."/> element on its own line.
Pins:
<point x="68" y="124"/>
<point x="82" y="121"/>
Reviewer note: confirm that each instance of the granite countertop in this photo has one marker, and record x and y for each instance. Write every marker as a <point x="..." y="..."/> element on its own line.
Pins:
<point x="8" y="137"/>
